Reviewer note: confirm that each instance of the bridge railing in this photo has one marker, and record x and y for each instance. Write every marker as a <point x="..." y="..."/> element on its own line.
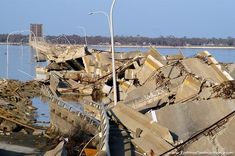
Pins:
<point x="103" y="124"/>
<point x="47" y="92"/>
<point x="104" y="129"/>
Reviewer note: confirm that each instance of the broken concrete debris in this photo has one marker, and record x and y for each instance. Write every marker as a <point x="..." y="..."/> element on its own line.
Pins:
<point x="149" y="81"/>
<point x="164" y="101"/>
<point x="190" y="88"/>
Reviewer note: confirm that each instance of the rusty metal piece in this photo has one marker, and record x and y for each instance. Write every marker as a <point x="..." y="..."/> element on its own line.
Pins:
<point x="225" y="89"/>
<point x="90" y="152"/>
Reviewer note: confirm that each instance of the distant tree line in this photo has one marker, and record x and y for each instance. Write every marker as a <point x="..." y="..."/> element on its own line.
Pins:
<point x="127" y="40"/>
<point x="15" y="38"/>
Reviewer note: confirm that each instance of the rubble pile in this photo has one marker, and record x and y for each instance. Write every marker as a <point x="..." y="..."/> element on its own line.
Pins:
<point x="167" y="104"/>
<point x="16" y="103"/>
<point x="18" y="129"/>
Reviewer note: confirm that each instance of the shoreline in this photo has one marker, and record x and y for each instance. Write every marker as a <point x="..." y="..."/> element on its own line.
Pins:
<point x="167" y="47"/>
<point x="154" y="46"/>
<point x="3" y="43"/>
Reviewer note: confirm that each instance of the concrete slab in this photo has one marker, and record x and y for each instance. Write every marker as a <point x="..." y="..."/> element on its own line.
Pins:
<point x="222" y="143"/>
<point x="226" y="137"/>
<point x="190" y="88"/>
<point x="188" y="118"/>
<point x="175" y="57"/>
<point x="151" y="142"/>
<point x="171" y="71"/>
<point x="201" y="69"/>
<point x="231" y="70"/>
<point x="134" y="120"/>
<point x="157" y="55"/>
<point x="130" y="74"/>
<point x="204" y="144"/>
<point x="149" y="67"/>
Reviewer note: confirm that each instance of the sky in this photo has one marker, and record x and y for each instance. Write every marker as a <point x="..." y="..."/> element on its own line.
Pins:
<point x="150" y="18"/>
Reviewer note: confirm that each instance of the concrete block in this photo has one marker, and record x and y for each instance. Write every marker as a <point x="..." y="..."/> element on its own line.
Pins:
<point x="203" y="145"/>
<point x="74" y="75"/>
<point x="54" y="81"/>
<point x="106" y="89"/>
<point x="226" y="137"/>
<point x="204" y="54"/>
<point x="156" y="54"/>
<point x="175" y="57"/>
<point x="104" y="58"/>
<point x="228" y="76"/>
<point x="151" y="142"/>
<point x="98" y="72"/>
<point x="190" y="117"/>
<point x="206" y="93"/>
<point x="190" y="88"/>
<point x="73" y="84"/>
<point x="212" y="60"/>
<point x="87" y="91"/>
<point x="124" y="85"/>
<point x="134" y="120"/>
<point x="130" y="74"/>
<point x="230" y="68"/>
<point x="136" y="65"/>
<point x="219" y="72"/>
<point x="122" y="95"/>
<point x="89" y="63"/>
<point x="171" y="71"/>
<point x="201" y="69"/>
<point x="149" y="67"/>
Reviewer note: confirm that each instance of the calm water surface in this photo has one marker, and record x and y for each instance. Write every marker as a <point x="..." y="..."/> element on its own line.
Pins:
<point x="22" y="67"/>
<point x="21" y="62"/>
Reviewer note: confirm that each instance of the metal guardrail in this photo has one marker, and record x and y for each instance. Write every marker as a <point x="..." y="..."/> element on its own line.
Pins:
<point x="103" y="124"/>
<point x="104" y="129"/>
<point x="47" y="92"/>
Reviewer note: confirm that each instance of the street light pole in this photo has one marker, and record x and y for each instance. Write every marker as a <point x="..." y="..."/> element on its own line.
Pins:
<point x="19" y="31"/>
<point x="8" y="49"/>
<point x="103" y="13"/>
<point x="110" y="22"/>
<point x="84" y="31"/>
<point x="113" y="51"/>
<point x="22" y="52"/>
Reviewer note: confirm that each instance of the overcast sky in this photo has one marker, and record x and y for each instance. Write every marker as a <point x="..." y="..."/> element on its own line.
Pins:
<point x="191" y="18"/>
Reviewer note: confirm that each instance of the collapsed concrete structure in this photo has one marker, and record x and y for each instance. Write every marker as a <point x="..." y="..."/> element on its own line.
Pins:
<point x="167" y="104"/>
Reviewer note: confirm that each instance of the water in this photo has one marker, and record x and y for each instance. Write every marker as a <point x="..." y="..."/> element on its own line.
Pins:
<point x="21" y="62"/>
<point x="42" y="113"/>
<point x="22" y="66"/>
